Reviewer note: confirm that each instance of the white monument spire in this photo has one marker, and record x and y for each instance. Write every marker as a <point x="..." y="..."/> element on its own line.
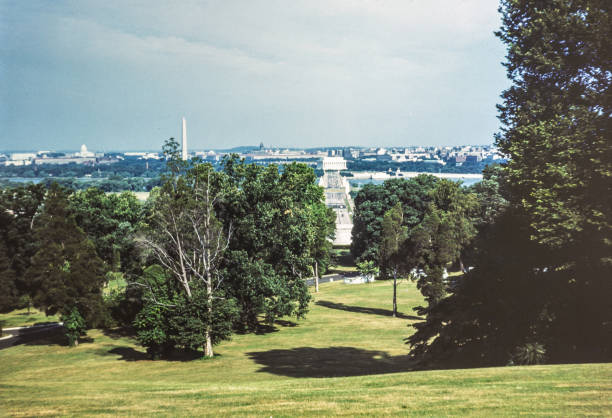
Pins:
<point x="184" y="150"/>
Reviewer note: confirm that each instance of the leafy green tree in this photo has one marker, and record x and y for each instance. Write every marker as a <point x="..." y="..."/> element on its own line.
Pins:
<point x="373" y="201"/>
<point x="110" y="221"/>
<point x="8" y="288"/>
<point x="151" y="322"/>
<point x="187" y="239"/>
<point x="280" y="229"/>
<point x="74" y="326"/>
<point x="18" y="208"/>
<point x="394" y="233"/>
<point x="368" y="269"/>
<point x="65" y="271"/>
<point x="170" y="319"/>
<point x="438" y="241"/>
<point x="490" y="193"/>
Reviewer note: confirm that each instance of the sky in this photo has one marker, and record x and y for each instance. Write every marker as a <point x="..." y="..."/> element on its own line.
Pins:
<point x="120" y="74"/>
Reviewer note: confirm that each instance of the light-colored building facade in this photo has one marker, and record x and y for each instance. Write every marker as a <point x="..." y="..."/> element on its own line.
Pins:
<point x="333" y="164"/>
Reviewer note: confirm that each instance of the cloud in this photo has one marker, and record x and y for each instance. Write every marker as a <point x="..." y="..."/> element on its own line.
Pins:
<point x="348" y="71"/>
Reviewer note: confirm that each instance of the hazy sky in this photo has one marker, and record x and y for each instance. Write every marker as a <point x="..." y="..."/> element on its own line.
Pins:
<point x="118" y="75"/>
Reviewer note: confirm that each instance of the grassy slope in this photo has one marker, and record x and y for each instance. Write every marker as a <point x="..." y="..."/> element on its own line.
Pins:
<point x="21" y="318"/>
<point x="346" y="358"/>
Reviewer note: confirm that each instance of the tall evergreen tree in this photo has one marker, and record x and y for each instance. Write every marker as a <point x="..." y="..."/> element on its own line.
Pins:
<point x="557" y="132"/>
<point x="65" y="271"/>
<point x="542" y="282"/>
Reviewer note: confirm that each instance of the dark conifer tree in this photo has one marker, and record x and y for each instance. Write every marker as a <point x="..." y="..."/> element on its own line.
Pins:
<point x="542" y="285"/>
<point x="65" y="271"/>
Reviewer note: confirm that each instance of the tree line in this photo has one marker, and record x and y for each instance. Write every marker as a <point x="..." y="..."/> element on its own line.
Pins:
<point x="538" y="240"/>
<point x="211" y="252"/>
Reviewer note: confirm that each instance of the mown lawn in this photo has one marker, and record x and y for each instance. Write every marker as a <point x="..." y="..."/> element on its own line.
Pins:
<point x="25" y="317"/>
<point x="346" y="358"/>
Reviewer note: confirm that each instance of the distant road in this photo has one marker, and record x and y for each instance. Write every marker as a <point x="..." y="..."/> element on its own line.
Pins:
<point x="23" y="335"/>
<point x="331" y="278"/>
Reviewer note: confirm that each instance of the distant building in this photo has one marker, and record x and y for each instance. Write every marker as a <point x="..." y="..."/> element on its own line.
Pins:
<point x="84" y="153"/>
<point x="384" y="157"/>
<point x="21" y="156"/>
<point x="333" y="164"/>
<point x="65" y="160"/>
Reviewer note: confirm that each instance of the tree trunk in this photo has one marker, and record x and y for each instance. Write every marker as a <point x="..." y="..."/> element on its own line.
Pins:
<point x="208" y="349"/>
<point x="394" y="293"/>
<point x="316" y="277"/>
<point x="461" y="266"/>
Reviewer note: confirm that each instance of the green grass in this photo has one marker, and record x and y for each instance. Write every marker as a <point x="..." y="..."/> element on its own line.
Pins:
<point x="342" y="261"/>
<point x="22" y="318"/>
<point x="347" y="358"/>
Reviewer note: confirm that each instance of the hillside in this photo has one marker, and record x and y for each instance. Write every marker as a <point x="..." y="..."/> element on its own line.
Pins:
<point x="346" y="358"/>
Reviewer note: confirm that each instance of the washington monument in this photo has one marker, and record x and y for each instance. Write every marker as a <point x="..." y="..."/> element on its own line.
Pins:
<point x="184" y="150"/>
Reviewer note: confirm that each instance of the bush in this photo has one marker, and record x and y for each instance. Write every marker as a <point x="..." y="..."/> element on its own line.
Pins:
<point x="74" y="326"/>
<point x="529" y="353"/>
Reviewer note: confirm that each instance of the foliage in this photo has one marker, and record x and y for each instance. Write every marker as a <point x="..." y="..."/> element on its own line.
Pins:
<point x="540" y="288"/>
<point x="446" y="229"/>
<point x="129" y="167"/>
<point x="529" y="353"/>
<point x="373" y="201"/>
<point x="8" y="289"/>
<point x="186" y="238"/>
<point x="394" y="234"/>
<point x="74" y="326"/>
<point x="110" y="221"/>
<point x="18" y="208"/>
<point x="368" y="269"/>
<point x="416" y="166"/>
<point x="170" y="319"/>
<point x="237" y="245"/>
<point x="281" y="229"/>
<point x="65" y="271"/>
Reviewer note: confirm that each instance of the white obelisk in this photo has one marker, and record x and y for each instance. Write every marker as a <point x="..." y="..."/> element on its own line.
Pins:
<point x="184" y="151"/>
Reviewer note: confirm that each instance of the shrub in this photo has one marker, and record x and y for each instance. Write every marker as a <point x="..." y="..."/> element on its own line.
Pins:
<point x="529" y="353"/>
<point x="74" y="326"/>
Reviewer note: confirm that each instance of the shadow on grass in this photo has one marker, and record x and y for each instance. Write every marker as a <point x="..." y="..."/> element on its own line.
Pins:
<point x="130" y="354"/>
<point x="329" y="362"/>
<point x="284" y="323"/>
<point x="49" y="336"/>
<point x="361" y="309"/>
<point x="263" y="328"/>
<point x="119" y="332"/>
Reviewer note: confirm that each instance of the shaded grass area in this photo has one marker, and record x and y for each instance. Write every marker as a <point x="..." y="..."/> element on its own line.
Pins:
<point x="342" y="261"/>
<point x="336" y="362"/>
<point x="22" y="318"/>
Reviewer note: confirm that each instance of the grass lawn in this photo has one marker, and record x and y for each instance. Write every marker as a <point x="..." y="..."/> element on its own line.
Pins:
<point x="343" y="261"/>
<point x="21" y="318"/>
<point x="346" y="358"/>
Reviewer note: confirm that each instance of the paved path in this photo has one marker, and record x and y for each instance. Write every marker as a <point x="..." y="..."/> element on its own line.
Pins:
<point x="331" y="278"/>
<point x="21" y="335"/>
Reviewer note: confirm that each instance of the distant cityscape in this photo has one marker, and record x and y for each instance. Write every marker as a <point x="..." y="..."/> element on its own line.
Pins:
<point x="316" y="157"/>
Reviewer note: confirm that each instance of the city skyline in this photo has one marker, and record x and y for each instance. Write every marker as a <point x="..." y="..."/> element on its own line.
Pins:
<point x="342" y="73"/>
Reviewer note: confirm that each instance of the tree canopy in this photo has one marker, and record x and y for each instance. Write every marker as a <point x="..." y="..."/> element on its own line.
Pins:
<point x="541" y="286"/>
